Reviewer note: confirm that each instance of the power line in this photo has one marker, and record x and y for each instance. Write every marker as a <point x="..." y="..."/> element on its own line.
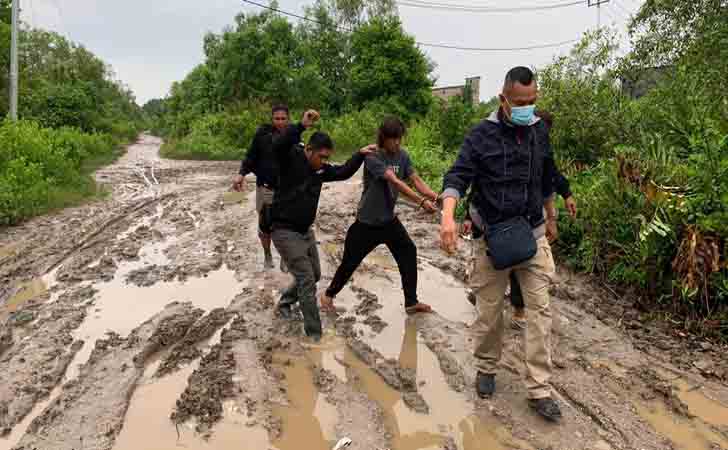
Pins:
<point x="424" y="44"/>
<point x="486" y="9"/>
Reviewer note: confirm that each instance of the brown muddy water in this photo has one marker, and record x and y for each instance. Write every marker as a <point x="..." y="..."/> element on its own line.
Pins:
<point x="120" y="306"/>
<point x="453" y="418"/>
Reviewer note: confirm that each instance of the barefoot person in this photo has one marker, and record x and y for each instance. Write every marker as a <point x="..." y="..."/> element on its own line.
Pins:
<point x="261" y="161"/>
<point x="385" y="175"/>
<point x="508" y="162"/>
<point x="303" y="170"/>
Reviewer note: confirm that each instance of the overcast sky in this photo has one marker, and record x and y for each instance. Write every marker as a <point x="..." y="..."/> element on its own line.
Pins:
<point x="151" y="43"/>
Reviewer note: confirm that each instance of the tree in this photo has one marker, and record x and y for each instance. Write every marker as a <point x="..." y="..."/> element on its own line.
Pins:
<point x="665" y="30"/>
<point x="387" y="65"/>
<point x="354" y="13"/>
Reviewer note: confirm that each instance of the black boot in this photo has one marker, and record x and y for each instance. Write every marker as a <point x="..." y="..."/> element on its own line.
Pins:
<point x="485" y="384"/>
<point x="547" y="408"/>
<point x="285" y="311"/>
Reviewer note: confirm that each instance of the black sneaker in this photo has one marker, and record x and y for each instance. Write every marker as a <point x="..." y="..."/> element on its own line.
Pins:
<point x="285" y="312"/>
<point x="485" y="384"/>
<point x="471" y="297"/>
<point x="547" y="408"/>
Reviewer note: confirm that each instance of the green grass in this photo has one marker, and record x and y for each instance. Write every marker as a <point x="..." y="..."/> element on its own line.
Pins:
<point x="85" y="189"/>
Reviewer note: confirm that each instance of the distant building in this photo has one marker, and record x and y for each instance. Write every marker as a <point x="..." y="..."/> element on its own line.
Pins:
<point x="471" y="86"/>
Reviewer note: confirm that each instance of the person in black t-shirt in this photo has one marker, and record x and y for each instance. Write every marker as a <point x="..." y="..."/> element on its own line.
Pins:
<point x="386" y="174"/>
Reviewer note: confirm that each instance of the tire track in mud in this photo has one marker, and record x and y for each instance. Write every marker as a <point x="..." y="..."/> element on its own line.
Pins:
<point x="38" y="357"/>
<point x="90" y="411"/>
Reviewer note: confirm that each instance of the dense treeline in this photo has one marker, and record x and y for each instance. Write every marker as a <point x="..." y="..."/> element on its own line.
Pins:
<point x="73" y="116"/>
<point x="651" y="173"/>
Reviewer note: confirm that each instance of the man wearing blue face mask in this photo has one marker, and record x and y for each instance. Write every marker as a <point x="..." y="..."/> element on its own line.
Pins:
<point x="507" y="161"/>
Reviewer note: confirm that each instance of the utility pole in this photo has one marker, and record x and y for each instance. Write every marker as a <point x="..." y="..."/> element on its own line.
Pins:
<point x="598" y="4"/>
<point x="14" y="62"/>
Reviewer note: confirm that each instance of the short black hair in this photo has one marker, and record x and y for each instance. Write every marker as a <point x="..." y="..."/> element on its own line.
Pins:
<point x="319" y="141"/>
<point x="519" y="74"/>
<point x="392" y="128"/>
<point x="279" y="107"/>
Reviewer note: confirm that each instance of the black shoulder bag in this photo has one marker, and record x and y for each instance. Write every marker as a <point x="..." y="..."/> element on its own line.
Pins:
<point x="511" y="242"/>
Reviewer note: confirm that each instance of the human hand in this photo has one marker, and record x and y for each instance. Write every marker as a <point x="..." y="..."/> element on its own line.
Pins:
<point x="429" y="206"/>
<point x="310" y="117"/>
<point x="448" y="234"/>
<point x="571" y="206"/>
<point x="552" y="230"/>
<point x="238" y="181"/>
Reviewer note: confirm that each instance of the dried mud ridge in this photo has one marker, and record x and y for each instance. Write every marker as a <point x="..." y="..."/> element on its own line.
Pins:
<point x="103" y="304"/>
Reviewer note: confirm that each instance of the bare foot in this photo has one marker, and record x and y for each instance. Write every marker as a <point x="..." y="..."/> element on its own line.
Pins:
<point x="419" y="308"/>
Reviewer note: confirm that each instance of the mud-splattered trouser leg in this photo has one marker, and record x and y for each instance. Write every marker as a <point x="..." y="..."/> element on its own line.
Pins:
<point x="535" y="276"/>
<point x="361" y="239"/>
<point x="301" y="256"/>
<point x="404" y="252"/>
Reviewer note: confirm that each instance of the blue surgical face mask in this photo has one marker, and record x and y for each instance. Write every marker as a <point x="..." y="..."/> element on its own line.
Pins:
<point x="522" y="115"/>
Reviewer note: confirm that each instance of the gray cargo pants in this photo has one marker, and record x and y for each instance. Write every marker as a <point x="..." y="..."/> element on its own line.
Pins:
<point x="300" y="254"/>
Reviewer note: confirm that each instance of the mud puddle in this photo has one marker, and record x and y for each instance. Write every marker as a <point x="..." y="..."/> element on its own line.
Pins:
<point x="26" y="291"/>
<point x="685" y="434"/>
<point x="8" y="250"/>
<point x="701" y="406"/>
<point x="120" y="307"/>
<point x="309" y="418"/>
<point x="148" y="426"/>
<point x="441" y="291"/>
<point x="452" y="420"/>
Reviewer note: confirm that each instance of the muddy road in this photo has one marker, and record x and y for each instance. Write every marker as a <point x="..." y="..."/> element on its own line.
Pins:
<point x="145" y="321"/>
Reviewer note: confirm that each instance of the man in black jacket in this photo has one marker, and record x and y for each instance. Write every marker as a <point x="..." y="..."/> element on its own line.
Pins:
<point x="562" y="187"/>
<point x="261" y="161"/>
<point x="303" y="170"/>
<point x="508" y="162"/>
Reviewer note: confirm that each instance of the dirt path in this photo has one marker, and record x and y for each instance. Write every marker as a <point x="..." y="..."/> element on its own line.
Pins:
<point x="145" y="321"/>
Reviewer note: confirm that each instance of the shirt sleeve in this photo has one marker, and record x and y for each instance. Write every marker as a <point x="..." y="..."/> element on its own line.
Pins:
<point x="460" y="176"/>
<point x="561" y="183"/>
<point x="251" y="157"/>
<point x="284" y="145"/>
<point x="549" y="169"/>
<point x="342" y="172"/>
